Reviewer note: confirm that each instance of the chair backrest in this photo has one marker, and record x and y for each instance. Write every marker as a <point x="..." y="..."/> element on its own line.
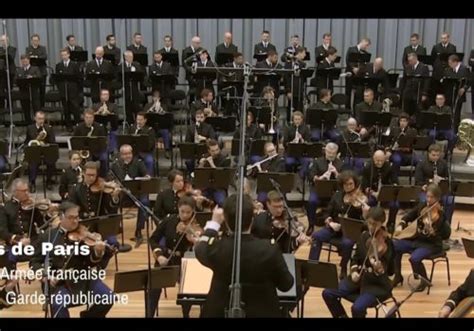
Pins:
<point x="339" y="99"/>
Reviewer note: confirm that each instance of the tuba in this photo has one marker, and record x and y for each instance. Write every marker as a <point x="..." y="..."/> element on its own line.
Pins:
<point x="466" y="140"/>
<point x="40" y="138"/>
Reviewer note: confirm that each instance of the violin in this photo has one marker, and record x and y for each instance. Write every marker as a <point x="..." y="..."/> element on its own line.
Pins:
<point x="100" y="185"/>
<point x="187" y="188"/>
<point x="429" y="216"/>
<point x="356" y="199"/>
<point x="191" y="229"/>
<point x="82" y="234"/>
<point x="376" y="247"/>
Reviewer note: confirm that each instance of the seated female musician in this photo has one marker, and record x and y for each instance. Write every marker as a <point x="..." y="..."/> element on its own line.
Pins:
<point x="167" y="200"/>
<point x="431" y="230"/>
<point x="464" y="291"/>
<point x="348" y="202"/>
<point x="158" y="107"/>
<point x="172" y="237"/>
<point x="371" y="266"/>
<point x="272" y="225"/>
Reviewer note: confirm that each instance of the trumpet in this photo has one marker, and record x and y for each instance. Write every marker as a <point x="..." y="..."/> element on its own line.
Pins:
<point x="40" y="138"/>
<point x="84" y="154"/>
<point x="259" y="164"/>
<point x="103" y="110"/>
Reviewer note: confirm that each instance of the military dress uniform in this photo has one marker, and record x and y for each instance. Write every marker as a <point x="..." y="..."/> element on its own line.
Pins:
<point x="147" y="155"/>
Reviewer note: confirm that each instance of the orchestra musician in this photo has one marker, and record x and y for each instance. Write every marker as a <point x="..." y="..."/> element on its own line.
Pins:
<point x="369" y="104"/>
<point x="99" y="66"/>
<point x="141" y="128"/>
<point x="169" y="49"/>
<point x="137" y="46"/>
<point x="175" y="235"/>
<point x="368" y="283"/>
<point x="198" y="132"/>
<point x="439" y="65"/>
<point x="374" y="70"/>
<point x="290" y="52"/>
<point x="415" y="84"/>
<point x="35" y="50"/>
<point x="271" y="62"/>
<point x="157" y="68"/>
<point x="71" y="175"/>
<point x="297" y="133"/>
<point x="414" y="47"/>
<point x="19" y="221"/>
<point x="463" y="291"/>
<point x="226" y="47"/>
<point x="188" y="56"/>
<point x="440" y="107"/>
<point x="353" y="133"/>
<point x="44" y="135"/>
<point x="90" y="128"/>
<point x="376" y="173"/>
<point x="353" y="67"/>
<point x="111" y="48"/>
<point x="204" y="61"/>
<point x="263" y="268"/>
<point x="264" y="46"/>
<point x="431" y="229"/>
<point x="206" y="104"/>
<point x="326" y="167"/>
<point x="156" y="106"/>
<point x="321" y="51"/>
<point x="214" y="159"/>
<point x="166" y="203"/>
<point x="458" y="71"/>
<point x="252" y="132"/>
<point x="275" y="163"/>
<point x="71" y="44"/>
<point x="70" y="90"/>
<point x="350" y="202"/>
<point x="29" y="92"/>
<point x="272" y="224"/>
<point x="294" y="83"/>
<point x="133" y="97"/>
<point x="268" y="99"/>
<point x="4" y="41"/>
<point x="433" y="169"/>
<point x="128" y="167"/>
<point x="401" y="155"/>
<point x="230" y="105"/>
<point x="324" y="102"/>
<point x="328" y="62"/>
<point x="66" y="234"/>
<point x="105" y="112"/>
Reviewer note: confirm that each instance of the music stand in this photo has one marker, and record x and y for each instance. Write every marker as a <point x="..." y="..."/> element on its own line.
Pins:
<point x="95" y="145"/>
<point x="459" y="189"/>
<point x="106" y="119"/>
<point x="426" y="59"/>
<point x="260" y="56"/>
<point x="38" y="155"/>
<point x="171" y="58"/>
<point x="450" y="86"/>
<point x="468" y="247"/>
<point x="388" y="193"/>
<point x="262" y="115"/>
<point x="393" y="80"/>
<point x="97" y="80"/>
<point x="204" y="77"/>
<point x="328" y="74"/>
<point x="65" y="78"/>
<point x="256" y="147"/>
<point x="192" y="151"/>
<point x="162" y="82"/>
<point x="320" y="58"/>
<point x="371" y="82"/>
<point x="213" y="178"/>
<point x="325" y="189"/>
<point x="79" y="56"/>
<point x="408" y="193"/>
<point x="359" y="57"/>
<point x="286" y="181"/>
<point x="29" y="84"/>
<point x="223" y="58"/>
<point x="107" y="225"/>
<point x="311" y="150"/>
<point x="351" y="228"/>
<point x="37" y="62"/>
<point x="431" y="120"/>
<point x="222" y="124"/>
<point x="321" y="118"/>
<point x="356" y="150"/>
<point x="137" y="280"/>
<point x="444" y="56"/>
<point x="140" y="143"/>
<point x="316" y="274"/>
<point x="141" y="58"/>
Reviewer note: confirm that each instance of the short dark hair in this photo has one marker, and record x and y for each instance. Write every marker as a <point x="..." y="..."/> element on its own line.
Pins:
<point x="231" y="208"/>
<point x="199" y="112"/>
<point x="205" y="92"/>
<point x="92" y="165"/>
<point x="187" y="200"/>
<point x="324" y="92"/>
<point x="136" y="34"/>
<point x="377" y="214"/>
<point x="65" y="50"/>
<point x="412" y="55"/>
<point x="109" y="36"/>
<point x="157" y="52"/>
<point x="347" y="175"/>
<point x="69" y="36"/>
<point x="211" y="143"/>
<point x="142" y="113"/>
<point x="300" y="50"/>
<point x="403" y="115"/>
<point x="89" y="111"/>
<point x="66" y="205"/>
<point x="327" y="34"/>
<point x="331" y="50"/>
<point x="71" y="153"/>
<point x="24" y="56"/>
<point x="237" y="54"/>
<point x="271" y="53"/>
<point x="265" y="31"/>
<point x="453" y="57"/>
<point x="35" y="35"/>
<point x="274" y="196"/>
<point x="415" y="35"/>
<point x="434" y="148"/>
<point x="295" y="36"/>
<point x="168" y="36"/>
<point x="173" y="173"/>
<point x="369" y="90"/>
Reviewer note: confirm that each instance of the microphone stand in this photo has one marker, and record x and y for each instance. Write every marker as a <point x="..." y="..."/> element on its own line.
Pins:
<point x="9" y="90"/>
<point x="150" y="213"/>
<point x="235" y="305"/>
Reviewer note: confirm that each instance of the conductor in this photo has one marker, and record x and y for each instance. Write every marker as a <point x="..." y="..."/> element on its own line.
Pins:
<point x="263" y="269"/>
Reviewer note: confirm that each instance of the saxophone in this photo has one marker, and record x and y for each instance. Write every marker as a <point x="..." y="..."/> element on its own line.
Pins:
<point x="40" y="138"/>
<point x="103" y="110"/>
<point x="156" y="108"/>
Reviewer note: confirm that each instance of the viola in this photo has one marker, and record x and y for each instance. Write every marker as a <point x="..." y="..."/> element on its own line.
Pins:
<point x="82" y="234"/>
<point x="429" y="216"/>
